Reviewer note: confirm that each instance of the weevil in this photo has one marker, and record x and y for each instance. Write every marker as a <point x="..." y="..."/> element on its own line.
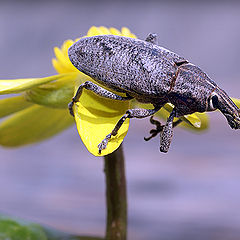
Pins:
<point x="150" y="74"/>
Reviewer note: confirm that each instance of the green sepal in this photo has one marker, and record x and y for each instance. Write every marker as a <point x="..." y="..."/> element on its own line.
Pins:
<point x="55" y="94"/>
<point x="12" y="105"/>
<point x="33" y="124"/>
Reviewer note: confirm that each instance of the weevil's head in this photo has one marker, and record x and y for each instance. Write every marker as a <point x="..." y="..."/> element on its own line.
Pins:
<point x="221" y="101"/>
<point x="194" y="91"/>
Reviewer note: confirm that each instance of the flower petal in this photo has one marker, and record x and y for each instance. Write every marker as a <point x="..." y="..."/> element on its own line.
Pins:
<point x="236" y="101"/>
<point x="33" y="124"/>
<point x="191" y="119"/>
<point x="104" y="30"/>
<point x="94" y="31"/>
<point x="63" y="60"/>
<point x="12" y="105"/>
<point x="59" y="67"/>
<point x="56" y="94"/>
<point x="195" y="121"/>
<point x="66" y="45"/>
<point x="204" y="122"/>
<point x="19" y="85"/>
<point x="114" y="31"/>
<point x="127" y="33"/>
<point x="96" y="117"/>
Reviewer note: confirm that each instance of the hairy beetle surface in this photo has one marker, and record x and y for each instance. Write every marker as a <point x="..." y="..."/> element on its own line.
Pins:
<point x="150" y="74"/>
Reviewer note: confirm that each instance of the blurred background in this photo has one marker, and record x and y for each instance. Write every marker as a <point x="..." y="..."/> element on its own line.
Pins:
<point x="190" y="193"/>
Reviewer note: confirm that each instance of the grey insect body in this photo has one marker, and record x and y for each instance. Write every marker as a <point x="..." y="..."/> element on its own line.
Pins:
<point x="150" y="74"/>
<point x="126" y="64"/>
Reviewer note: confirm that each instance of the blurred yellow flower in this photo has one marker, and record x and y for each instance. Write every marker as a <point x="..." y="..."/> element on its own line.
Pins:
<point x="40" y="110"/>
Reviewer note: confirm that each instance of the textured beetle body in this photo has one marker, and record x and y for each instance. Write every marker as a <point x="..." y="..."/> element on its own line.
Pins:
<point x="150" y="74"/>
<point x="139" y="68"/>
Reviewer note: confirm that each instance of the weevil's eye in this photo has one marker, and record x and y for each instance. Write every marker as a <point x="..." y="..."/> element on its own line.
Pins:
<point x="215" y="101"/>
<point x="212" y="103"/>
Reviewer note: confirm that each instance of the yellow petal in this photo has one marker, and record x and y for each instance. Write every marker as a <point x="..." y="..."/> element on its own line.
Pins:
<point x="93" y="31"/>
<point x="191" y="119"/>
<point x="195" y="121"/>
<point x="66" y="45"/>
<point x="62" y="58"/>
<point x="204" y="122"/>
<point x="127" y="33"/>
<point x="33" y="124"/>
<point x="236" y="101"/>
<point x="96" y="117"/>
<point x="13" y="104"/>
<point x="59" y="67"/>
<point x="114" y="31"/>
<point x="104" y="30"/>
<point x="19" y="85"/>
<point x="56" y="94"/>
<point x="62" y="64"/>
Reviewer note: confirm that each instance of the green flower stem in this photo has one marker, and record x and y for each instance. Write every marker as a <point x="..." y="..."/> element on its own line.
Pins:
<point x="116" y="228"/>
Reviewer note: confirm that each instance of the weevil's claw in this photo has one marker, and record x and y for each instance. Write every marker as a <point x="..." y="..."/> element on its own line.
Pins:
<point x="70" y="107"/>
<point x="154" y="132"/>
<point x="103" y="144"/>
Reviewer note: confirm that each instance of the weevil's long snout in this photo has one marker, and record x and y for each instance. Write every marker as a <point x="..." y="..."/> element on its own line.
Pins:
<point x="233" y="120"/>
<point x="223" y="102"/>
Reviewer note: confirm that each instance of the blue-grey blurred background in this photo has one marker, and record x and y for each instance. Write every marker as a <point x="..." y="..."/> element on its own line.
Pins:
<point x="190" y="193"/>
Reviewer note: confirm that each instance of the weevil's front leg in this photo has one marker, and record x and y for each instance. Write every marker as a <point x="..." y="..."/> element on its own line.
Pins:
<point x="131" y="113"/>
<point x="167" y="133"/>
<point x="152" y="38"/>
<point x="96" y="89"/>
<point x="159" y="128"/>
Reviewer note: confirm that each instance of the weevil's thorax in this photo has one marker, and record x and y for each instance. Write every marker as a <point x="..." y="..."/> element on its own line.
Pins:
<point x="191" y="89"/>
<point x="142" y="69"/>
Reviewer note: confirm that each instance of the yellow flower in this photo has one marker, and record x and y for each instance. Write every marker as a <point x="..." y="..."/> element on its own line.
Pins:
<point x="40" y="110"/>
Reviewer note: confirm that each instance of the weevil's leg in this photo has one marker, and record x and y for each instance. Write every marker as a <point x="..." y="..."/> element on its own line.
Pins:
<point x="131" y="113"/>
<point x="167" y="133"/>
<point x="96" y="89"/>
<point x="152" y="38"/>
<point x="159" y="128"/>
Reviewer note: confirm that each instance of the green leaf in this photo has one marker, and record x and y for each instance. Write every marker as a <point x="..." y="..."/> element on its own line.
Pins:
<point x="33" y="124"/>
<point x="14" y="230"/>
<point x="12" y="105"/>
<point x="53" y="234"/>
<point x="86" y="238"/>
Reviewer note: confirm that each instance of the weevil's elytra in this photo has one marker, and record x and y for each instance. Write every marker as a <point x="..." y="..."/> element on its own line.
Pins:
<point x="116" y="61"/>
<point x="150" y="74"/>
